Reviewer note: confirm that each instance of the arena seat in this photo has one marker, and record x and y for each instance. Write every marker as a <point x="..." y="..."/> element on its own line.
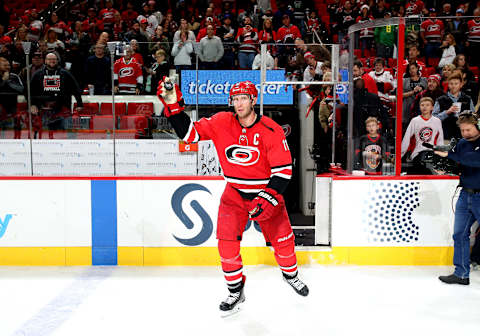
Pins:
<point x="133" y="122"/>
<point x="140" y="108"/>
<point x="120" y="109"/>
<point x="101" y="122"/>
<point x="88" y="108"/>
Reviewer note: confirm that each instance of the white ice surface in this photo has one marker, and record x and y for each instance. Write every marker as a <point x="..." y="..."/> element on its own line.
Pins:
<point x="343" y="300"/>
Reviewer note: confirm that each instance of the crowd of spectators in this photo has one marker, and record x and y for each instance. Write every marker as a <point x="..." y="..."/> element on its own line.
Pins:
<point x="155" y="39"/>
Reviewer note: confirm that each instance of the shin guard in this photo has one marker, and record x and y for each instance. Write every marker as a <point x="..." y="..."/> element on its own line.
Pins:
<point x="232" y="266"/>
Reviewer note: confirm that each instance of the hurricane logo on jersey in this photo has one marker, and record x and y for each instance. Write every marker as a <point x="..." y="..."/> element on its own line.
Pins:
<point x="242" y="155"/>
<point x="125" y="72"/>
<point x="287" y="130"/>
<point x="425" y="134"/>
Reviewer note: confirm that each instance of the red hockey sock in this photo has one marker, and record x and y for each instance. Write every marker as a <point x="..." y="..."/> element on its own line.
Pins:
<point x="286" y="257"/>
<point x="231" y="263"/>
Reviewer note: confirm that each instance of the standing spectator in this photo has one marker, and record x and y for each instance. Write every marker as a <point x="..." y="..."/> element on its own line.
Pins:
<point x="459" y="29"/>
<point x="366" y="35"/>
<point x="159" y="70"/>
<point x="385" y="39"/>
<point x="127" y="74"/>
<point x="51" y="94"/>
<point x="431" y="32"/>
<point x="98" y="73"/>
<point x="371" y="148"/>
<point x="449" y="106"/>
<point x="247" y="37"/>
<point x="92" y="25"/>
<point x="383" y="78"/>
<point x="129" y="15"/>
<point x="184" y="27"/>
<point x="378" y="11"/>
<point x="369" y="82"/>
<point x="182" y="51"/>
<point x="414" y="7"/>
<point x="433" y="90"/>
<point x="424" y="128"/>
<point x="107" y="15"/>
<point x="10" y="87"/>
<point x="35" y="26"/>
<point x="227" y="35"/>
<point x="448" y="48"/>
<point x="346" y="18"/>
<point x="210" y="50"/>
<point x="313" y="71"/>
<point x="412" y="85"/>
<point x="473" y="40"/>
<point x="287" y="30"/>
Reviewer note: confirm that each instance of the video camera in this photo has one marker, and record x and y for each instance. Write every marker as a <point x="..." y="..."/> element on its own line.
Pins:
<point x="437" y="163"/>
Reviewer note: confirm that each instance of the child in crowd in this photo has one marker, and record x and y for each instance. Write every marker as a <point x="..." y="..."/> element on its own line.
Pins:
<point x="424" y="128"/>
<point x="371" y="148"/>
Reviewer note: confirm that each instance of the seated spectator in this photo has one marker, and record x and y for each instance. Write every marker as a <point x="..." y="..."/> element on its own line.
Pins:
<point x="159" y="69"/>
<point x="424" y="128"/>
<point x="460" y="61"/>
<point x="383" y="79"/>
<point x="97" y="72"/>
<point x="227" y="35"/>
<point x="369" y="82"/>
<point x="287" y="30"/>
<point x="470" y="87"/>
<point x="51" y="94"/>
<point x="210" y="50"/>
<point x="472" y="46"/>
<point x="53" y="43"/>
<point x="20" y="35"/>
<point x="313" y="71"/>
<point x="371" y="148"/>
<point x="136" y="34"/>
<point x="366" y="34"/>
<point x="412" y="85"/>
<point x="413" y="54"/>
<point x="269" y="61"/>
<point x="127" y="74"/>
<point x="459" y="29"/>
<point x="446" y="72"/>
<point x="168" y="21"/>
<point x="247" y="37"/>
<point x="431" y="31"/>
<point x="184" y="27"/>
<point x="119" y="27"/>
<point x="448" y="48"/>
<point x="433" y="90"/>
<point x="60" y="27"/>
<point x="182" y="51"/>
<point x="449" y="106"/>
<point x="210" y="19"/>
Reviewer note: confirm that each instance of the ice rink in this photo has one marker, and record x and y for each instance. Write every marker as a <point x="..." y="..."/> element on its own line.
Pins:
<point x="343" y="300"/>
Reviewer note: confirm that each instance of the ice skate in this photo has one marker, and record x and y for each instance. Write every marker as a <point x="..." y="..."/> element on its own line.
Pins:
<point x="298" y="285"/>
<point x="232" y="303"/>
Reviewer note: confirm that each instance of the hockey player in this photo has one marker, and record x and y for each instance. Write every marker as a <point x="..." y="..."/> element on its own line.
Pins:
<point x="257" y="166"/>
<point x="424" y="128"/>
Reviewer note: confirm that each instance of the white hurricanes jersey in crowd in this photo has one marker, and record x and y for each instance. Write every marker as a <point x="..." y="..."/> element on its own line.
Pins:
<point x="422" y="130"/>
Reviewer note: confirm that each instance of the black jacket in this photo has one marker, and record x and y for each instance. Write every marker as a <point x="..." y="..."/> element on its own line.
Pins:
<point x="366" y="105"/>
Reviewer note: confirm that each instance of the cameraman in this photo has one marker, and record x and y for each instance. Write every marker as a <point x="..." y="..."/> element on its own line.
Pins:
<point x="467" y="154"/>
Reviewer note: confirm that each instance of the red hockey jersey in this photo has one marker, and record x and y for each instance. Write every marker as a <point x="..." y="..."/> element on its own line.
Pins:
<point x="128" y="74"/>
<point x="474" y="31"/>
<point x="433" y="30"/>
<point x="249" y="156"/>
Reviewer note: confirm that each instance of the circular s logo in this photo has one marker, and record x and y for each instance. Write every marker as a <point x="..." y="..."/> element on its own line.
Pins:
<point x="207" y="225"/>
<point x="242" y="155"/>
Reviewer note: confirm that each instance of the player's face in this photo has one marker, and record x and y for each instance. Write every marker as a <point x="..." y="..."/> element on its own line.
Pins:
<point x="372" y="128"/>
<point x="469" y="132"/>
<point x="243" y="105"/>
<point x="426" y="107"/>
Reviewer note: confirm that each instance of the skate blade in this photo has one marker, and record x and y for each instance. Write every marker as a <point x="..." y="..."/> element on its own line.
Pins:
<point x="231" y="312"/>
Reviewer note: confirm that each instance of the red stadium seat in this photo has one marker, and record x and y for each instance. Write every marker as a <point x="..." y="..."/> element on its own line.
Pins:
<point x="322" y="9"/>
<point x="433" y="62"/>
<point x="133" y="122"/>
<point x="140" y="108"/>
<point x="88" y="108"/>
<point x="475" y="70"/>
<point x="120" y="109"/>
<point x="428" y="71"/>
<point x="101" y="122"/>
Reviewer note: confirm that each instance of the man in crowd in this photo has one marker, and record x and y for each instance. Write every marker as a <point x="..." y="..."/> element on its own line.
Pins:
<point x="97" y="72"/>
<point x="210" y="50"/>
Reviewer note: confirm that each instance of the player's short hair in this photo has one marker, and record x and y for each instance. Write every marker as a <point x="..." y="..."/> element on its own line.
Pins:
<point x="370" y="120"/>
<point x="429" y="99"/>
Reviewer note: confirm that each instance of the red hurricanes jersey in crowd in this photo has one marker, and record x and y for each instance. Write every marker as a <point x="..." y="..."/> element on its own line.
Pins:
<point x="249" y="156"/>
<point x="290" y="31"/>
<point x="414" y="8"/>
<point x="128" y="74"/>
<point x="107" y="14"/>
<point x="474" y="31"/>
<point x="432" y="29"/>
<point x="367" y="32"/>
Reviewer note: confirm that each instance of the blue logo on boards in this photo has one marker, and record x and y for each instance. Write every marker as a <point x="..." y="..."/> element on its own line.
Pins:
<point x="214" y="86"/>
<point x="207" y="224"/>
<point x="4" y="224"/>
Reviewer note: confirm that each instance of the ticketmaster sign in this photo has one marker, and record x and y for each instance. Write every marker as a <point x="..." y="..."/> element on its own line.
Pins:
<point x="213" y="86"/>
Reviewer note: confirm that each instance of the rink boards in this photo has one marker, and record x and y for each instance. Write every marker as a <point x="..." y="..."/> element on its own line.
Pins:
<point x="172" y="220"/>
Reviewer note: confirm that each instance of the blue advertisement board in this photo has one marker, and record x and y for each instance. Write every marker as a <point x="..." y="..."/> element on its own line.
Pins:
<point x="214" y="86"/>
